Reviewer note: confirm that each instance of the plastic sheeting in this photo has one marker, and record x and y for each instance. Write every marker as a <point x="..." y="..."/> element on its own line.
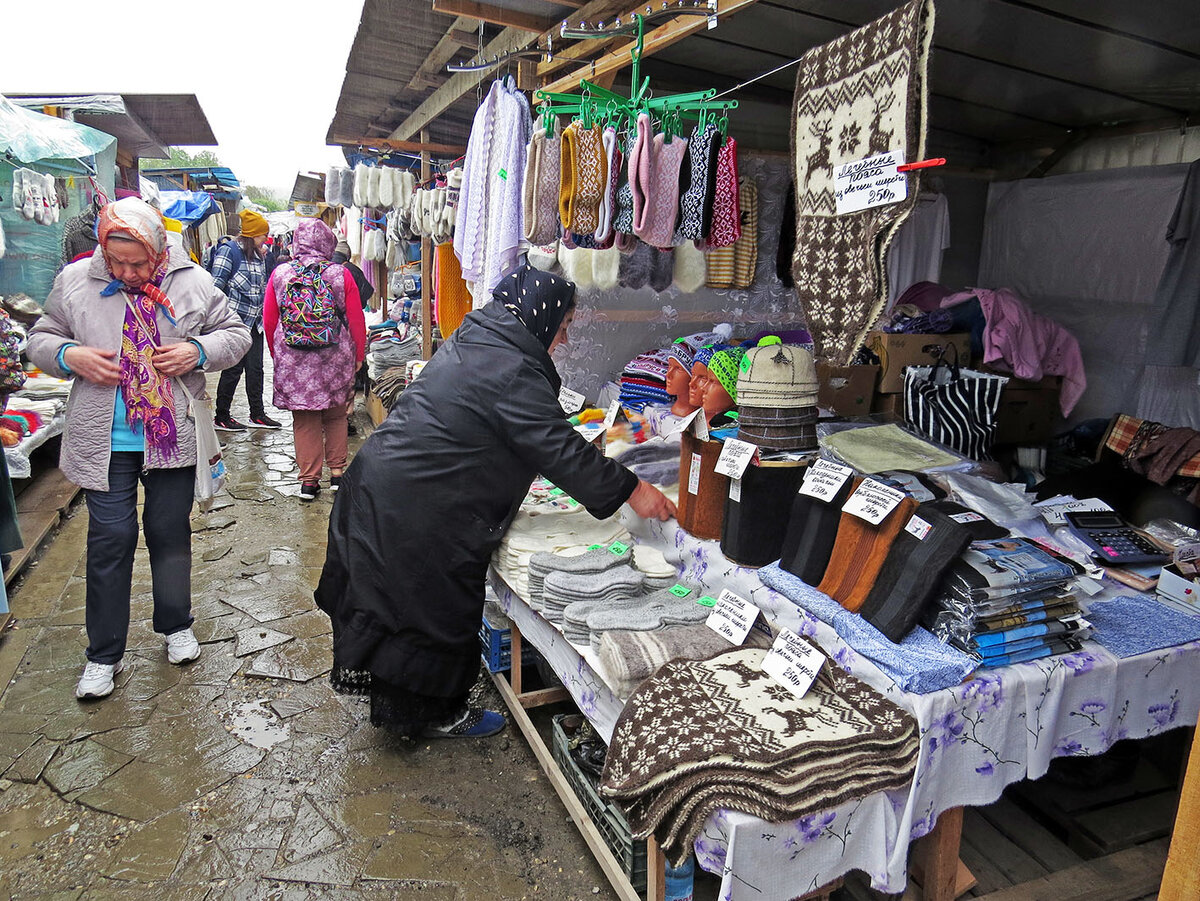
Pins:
<point x="1087" y="250"/>
<point x="189" y="207"/>
<point x="31" y="136"/>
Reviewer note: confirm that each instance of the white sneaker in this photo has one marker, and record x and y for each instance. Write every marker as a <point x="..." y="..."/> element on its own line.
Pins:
<point x="182" y="647"/>
<point x="97" y="679"/>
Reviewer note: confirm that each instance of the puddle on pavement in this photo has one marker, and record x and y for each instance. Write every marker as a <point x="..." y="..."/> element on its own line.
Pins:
<point x="257" y="725"/>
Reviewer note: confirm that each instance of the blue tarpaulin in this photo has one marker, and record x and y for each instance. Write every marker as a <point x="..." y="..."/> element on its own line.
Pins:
<point x="189" y="207"/>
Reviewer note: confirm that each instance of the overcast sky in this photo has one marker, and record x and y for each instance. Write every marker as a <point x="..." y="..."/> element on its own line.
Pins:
<point x="267" y="78"/>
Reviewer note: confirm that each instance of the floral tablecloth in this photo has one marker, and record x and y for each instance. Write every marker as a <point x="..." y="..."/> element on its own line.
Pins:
<point x="999" y="727"/>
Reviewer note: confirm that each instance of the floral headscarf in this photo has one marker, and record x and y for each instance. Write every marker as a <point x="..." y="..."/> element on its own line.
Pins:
<point x="539" y="300"/>
<point x="147" y="393"/>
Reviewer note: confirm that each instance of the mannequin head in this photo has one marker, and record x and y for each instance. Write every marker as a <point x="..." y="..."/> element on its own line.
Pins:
<point x="679" y="382"/>
<point x="696" y="386"/>
<point x="716" y="399"/>
<point x="720" y="390"/>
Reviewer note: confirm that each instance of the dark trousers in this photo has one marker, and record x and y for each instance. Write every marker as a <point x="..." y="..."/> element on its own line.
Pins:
<point x="112" y="539"/>
<point x="252" y="363"/>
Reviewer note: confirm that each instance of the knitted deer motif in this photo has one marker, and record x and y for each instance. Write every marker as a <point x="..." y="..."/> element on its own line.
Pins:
<point x="879" y="140"/>
<point x="822" y="130"/>
<point x="797" y="720"/>
<point x="743" y="672"/>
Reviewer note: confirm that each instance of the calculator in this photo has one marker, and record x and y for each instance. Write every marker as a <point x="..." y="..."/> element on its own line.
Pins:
<point x="1113" y="540"/>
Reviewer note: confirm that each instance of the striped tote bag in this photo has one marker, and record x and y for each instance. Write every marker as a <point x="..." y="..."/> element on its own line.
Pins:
<point x="954" y="406"/>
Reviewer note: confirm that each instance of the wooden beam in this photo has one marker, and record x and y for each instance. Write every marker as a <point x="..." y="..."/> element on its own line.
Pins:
<point x="497" y="15"/>
<point x="410" y="146"/>
<point x="658" y="39"/>
<point x="505" y="42"/>
<point x="461" y="33"/>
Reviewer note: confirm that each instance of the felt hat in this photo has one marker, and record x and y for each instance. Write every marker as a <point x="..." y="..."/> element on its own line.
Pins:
<point x="253" y="224"/>
<point x="791" y="429"/>
<point x="775" y="374"/>
<point x="724" y="367"/>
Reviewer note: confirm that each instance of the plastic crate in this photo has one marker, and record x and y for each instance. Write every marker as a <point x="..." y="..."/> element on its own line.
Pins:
<point x="607" y="816"/>
<point x="495" y="643"/>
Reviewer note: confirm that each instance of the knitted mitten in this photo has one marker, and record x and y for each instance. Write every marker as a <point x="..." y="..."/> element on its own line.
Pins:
<point x="662" y="269"/>
<point x="360" y="184"/>
<point x="635" y="267"/>
<point x="690" y="268"/>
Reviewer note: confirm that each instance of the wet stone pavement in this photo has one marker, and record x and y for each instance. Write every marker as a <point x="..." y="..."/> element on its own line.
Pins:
<point x="243" y="775"/>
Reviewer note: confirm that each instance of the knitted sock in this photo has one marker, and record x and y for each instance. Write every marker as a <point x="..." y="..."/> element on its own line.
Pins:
<point x="606" y="267"/>
<point x="696" y="202"/>
<point x="385" y="188"/>
<point x="662" y="269"/>
<point x="333" y="185"/>
<point x="641" y="174"/>
<point x="858" y="555"/>
<point x="746" y="249"/>
<point x="913" y="571"/>
<point x="726" y="214"/>
<point x="636" y="266"/>
<point x="373" y="186"/>
<point x="543" y="257"/>
<point x="691" y="269"/>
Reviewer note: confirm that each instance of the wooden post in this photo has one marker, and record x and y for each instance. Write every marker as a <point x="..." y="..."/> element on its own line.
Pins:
<point x="426" y="268"/>
<point x="1180" y="877"/>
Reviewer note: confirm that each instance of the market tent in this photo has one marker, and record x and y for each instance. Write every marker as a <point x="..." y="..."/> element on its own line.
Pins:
<point x="189" y="207"/>
<point x="28" y="136"/>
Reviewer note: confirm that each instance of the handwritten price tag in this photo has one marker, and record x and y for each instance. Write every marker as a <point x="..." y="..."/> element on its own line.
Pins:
<point x="732" y="617"/>
<point x="610" y="415"/>
<point x="824" y="480"/>
<point x="793" y="662"/>
<point x="868" y="183"/>
<point x="873" y="501"/>
<point x="735" y="457"/>
<point x="569" y="400"/>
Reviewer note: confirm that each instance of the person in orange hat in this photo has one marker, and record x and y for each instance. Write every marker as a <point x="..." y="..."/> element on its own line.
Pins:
<point x="241" y="268"/>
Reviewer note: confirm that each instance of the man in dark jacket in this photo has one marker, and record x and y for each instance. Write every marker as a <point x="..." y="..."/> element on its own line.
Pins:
<point x="428" y="498"/>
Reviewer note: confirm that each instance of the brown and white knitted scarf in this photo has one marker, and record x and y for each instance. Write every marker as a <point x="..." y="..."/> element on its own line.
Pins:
<point x="584" y="178"/>
<point x="859" y="96"/>
<point x="541" y="186"/>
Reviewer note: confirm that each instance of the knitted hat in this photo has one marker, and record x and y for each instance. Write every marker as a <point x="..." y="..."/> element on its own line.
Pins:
<point x="682" y="352"/>
<point x="777" y="375"/>
<point x="706" y="353"/>
<point x="253" y="224"/>
<point x="724" y="367"/>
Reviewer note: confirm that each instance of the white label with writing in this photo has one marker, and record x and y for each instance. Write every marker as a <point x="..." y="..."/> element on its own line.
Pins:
<point x="735" y="457"/>
<point x="735" y="490"/>
<point x="918" y="527"/>
<point x="569" y="400"/>
<point x="873" y="501"/>
<point x="824" y="480"/>
<point x="610" y="415"/>
<point x="793" y="662"/>
<point x="732" y="617"/>
<point x="867" y="183"/>
<point x="966" y="517"/>
<point x="1187" y="553"/>
<point x="694" y="475"/>
<point x="700" y="425"/>
<point x="680" y="424"/>
<point x="1054" y="512"/>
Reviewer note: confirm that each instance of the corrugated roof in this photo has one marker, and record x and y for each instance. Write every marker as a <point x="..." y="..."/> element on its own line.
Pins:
<point x="143" y="124"/>
<point x="1004" y="73"/>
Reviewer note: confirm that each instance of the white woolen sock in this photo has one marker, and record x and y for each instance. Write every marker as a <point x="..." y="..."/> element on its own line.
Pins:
<point x="385" y="188"/>
<point x="360" y="184"/>
<point x="606" y="268"/>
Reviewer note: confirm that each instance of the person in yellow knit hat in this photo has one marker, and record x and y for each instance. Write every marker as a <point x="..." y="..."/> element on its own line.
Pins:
<point x="241" y="268"/>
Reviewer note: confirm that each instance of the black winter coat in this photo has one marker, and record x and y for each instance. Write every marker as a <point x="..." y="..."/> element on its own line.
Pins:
<point x="430" y="494"/>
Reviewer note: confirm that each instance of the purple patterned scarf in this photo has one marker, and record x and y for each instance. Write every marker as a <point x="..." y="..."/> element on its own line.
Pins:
<point x="146" y="391"/>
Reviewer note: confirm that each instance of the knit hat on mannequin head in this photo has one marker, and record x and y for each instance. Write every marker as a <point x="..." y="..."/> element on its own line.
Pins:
<point x="724" y="368"/>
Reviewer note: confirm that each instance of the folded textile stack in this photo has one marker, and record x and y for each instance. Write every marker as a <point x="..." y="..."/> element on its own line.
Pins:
<point x="655" y="461"/>
<point x="388" y="350"/>
<point x="777" y="397"/>
<point x="549" y="523"/>
<point x="1008" y="601"/>
<point x="580" y="560"/>
<point x="629" y="658"/>
<point x="644" y="380"/>
<point x="740" y="741"/>
<point x="575" y="616"/>
<point x="563" y="588"/>
<point x="660" y="610"/>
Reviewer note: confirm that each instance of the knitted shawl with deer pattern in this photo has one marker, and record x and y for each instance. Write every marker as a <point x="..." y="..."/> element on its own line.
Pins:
<point x="701" y="735"/>
<point x="859" y="96"/>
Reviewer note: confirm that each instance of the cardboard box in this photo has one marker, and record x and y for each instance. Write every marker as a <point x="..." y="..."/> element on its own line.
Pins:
<point x="847" y="390"/>
<point x="1177" y="587"/>
<point x="897" y="350"/>
<point x="889" y="405"/>
<point x="1029" y="413"/>
<point x="375" y="408"/>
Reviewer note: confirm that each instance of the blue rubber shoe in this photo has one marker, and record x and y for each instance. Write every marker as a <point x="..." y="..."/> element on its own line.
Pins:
<point x="475" y="723"/>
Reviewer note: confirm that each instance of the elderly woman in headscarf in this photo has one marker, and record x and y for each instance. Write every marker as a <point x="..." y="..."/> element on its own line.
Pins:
<point x="130" y="324"/>
<point x="315" y="383"/>
<point x="429" y="496"/>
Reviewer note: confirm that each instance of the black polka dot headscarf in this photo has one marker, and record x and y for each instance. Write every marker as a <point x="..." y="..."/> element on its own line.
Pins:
<point x="539" y="300"/>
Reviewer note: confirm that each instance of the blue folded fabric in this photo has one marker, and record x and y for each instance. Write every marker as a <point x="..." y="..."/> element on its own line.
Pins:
<point x="920" y="663"/>
<point x="1138" y="624"/>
